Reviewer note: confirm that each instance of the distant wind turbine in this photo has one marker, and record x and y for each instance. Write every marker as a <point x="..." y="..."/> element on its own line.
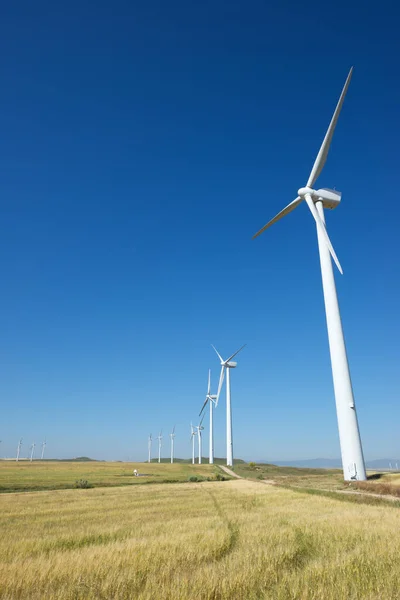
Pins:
<point x="43" y="447"/>
<point x="200" y="428"/>
<point x="193" y="433"/>
<point x="32" y="451"/>
<point x="227" y="365"/>
<point x="19" y="449"/>
<point x="212" y="400"/>
<point x="149" y="441"/>
<point x="172" y="436"/>
<point x="159" y="437"/>
<point x="317" y="200"/>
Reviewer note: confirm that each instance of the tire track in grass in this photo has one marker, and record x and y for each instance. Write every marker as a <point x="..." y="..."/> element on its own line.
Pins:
<point x="233" y="530"/>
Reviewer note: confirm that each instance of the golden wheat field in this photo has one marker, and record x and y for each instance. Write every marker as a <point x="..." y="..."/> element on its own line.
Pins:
<point x="236" y="539"/>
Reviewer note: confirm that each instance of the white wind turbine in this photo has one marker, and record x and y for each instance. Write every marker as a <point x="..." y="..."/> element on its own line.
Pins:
<point x="32" y="451"/>
<point x="149" y="441"/>
<point x="211" y="398"/>
<point x="316" y="200"/>
<point x="43" y="447"/>
<point x="172" y="435"/>
<point x="19" y="449"/>
<point x="226" y="365"/>
<point x="200" y="428"/>
<point x="193" y="433"/>
<point x="159" y="437"/>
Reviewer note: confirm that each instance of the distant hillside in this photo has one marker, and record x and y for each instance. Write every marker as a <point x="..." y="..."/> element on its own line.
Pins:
<point x="80" y="459"/>
<point x="333" y="463"/>
<point x="204" y="459"/>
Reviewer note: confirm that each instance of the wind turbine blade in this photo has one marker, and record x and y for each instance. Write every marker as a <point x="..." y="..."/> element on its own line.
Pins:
<point x="323" y="151"/>
<point x="288" y="209"/>
<point x="221" y="381"/>
<point x="209" y="382"/>
<point x="204" y="405"/>
<point x="219" y="356"/>
<point x="237" y="352"/>
<point x="173" y="431"/>
<point x="322" y="228"/>
<point x="202" y="419"/>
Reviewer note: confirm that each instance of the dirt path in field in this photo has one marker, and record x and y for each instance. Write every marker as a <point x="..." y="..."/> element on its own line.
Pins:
<point x="229" y="472"/>
<point x="345" y="492"/>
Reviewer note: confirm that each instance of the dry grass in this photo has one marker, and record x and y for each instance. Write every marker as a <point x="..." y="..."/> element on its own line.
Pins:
<point x="233" y="540"/>
<point x="38" y="475"/>
<point x="321" y="479"/>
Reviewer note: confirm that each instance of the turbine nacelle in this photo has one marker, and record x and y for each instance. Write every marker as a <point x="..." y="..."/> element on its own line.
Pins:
<point x="231" y="364"/>
<point x="330" y="198"/>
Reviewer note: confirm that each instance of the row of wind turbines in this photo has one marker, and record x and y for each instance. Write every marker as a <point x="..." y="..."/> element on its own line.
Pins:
<point x="316" y="200"/>
<point x="32" y="450"/>
<point x="212" y="401"/>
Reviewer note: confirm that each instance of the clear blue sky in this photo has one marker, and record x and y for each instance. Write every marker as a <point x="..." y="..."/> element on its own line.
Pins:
<point x="142" y="145"/>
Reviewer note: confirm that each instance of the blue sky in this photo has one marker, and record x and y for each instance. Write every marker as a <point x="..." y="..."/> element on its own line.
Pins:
<point x="141" y="146"/>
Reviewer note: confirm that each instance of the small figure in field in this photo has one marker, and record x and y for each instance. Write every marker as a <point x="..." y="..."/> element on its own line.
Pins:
<point x="136" y="474"/>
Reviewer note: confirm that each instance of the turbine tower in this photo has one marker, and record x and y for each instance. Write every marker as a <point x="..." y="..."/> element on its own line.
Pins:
<point x="149" y="441"/>
<point x="19" y="449"/>
<point x="172" y="435"/>
<point x="212" y="400"/>
<point x="200" y="428"/>
<point x="193" y="433"/>
<point x="159" y="437"/>
<point x="43" y="447"/>
<point x="317" y="200"/>
<point x="32" y="451"/>
<point x="226" y="365"/>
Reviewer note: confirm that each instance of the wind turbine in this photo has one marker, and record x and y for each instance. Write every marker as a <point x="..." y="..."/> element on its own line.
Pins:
<point x="159" y="437"/>
<point x="316" y="200"/>
<point x="43" y="447"/>
<point x="212" y="400"/>
<point x="226" y="365"/>
<point x="19" y="449"/>
<point x="193" y="433"/>
<point x="149" y="447"/>
<point x="172" y="435"/>
<point x="200" y="428"/>
<point x="32" y="451"/>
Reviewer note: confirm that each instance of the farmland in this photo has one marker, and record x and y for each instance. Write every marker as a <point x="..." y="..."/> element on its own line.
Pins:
<point x="52" y="475"/>
<point x="235" y="539"/>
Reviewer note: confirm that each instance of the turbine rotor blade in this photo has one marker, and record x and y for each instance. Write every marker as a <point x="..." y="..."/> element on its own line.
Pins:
<point x="288" y="209"/>
<point x="321" y="225"/>
<point x="237" y="352"/>
<point x="221" y="381"/>
<point x="323" y="151"/>
<point x="219" y="356"/>
<point x="209" y="382"/>
<point x="203" y="407"/>
<point x="202" y="421"/>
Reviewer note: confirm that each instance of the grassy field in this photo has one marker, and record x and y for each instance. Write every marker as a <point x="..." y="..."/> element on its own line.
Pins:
<point x="233" y="540"/>
<point x="42" y="475"/>
<point x="320" y="479"/>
